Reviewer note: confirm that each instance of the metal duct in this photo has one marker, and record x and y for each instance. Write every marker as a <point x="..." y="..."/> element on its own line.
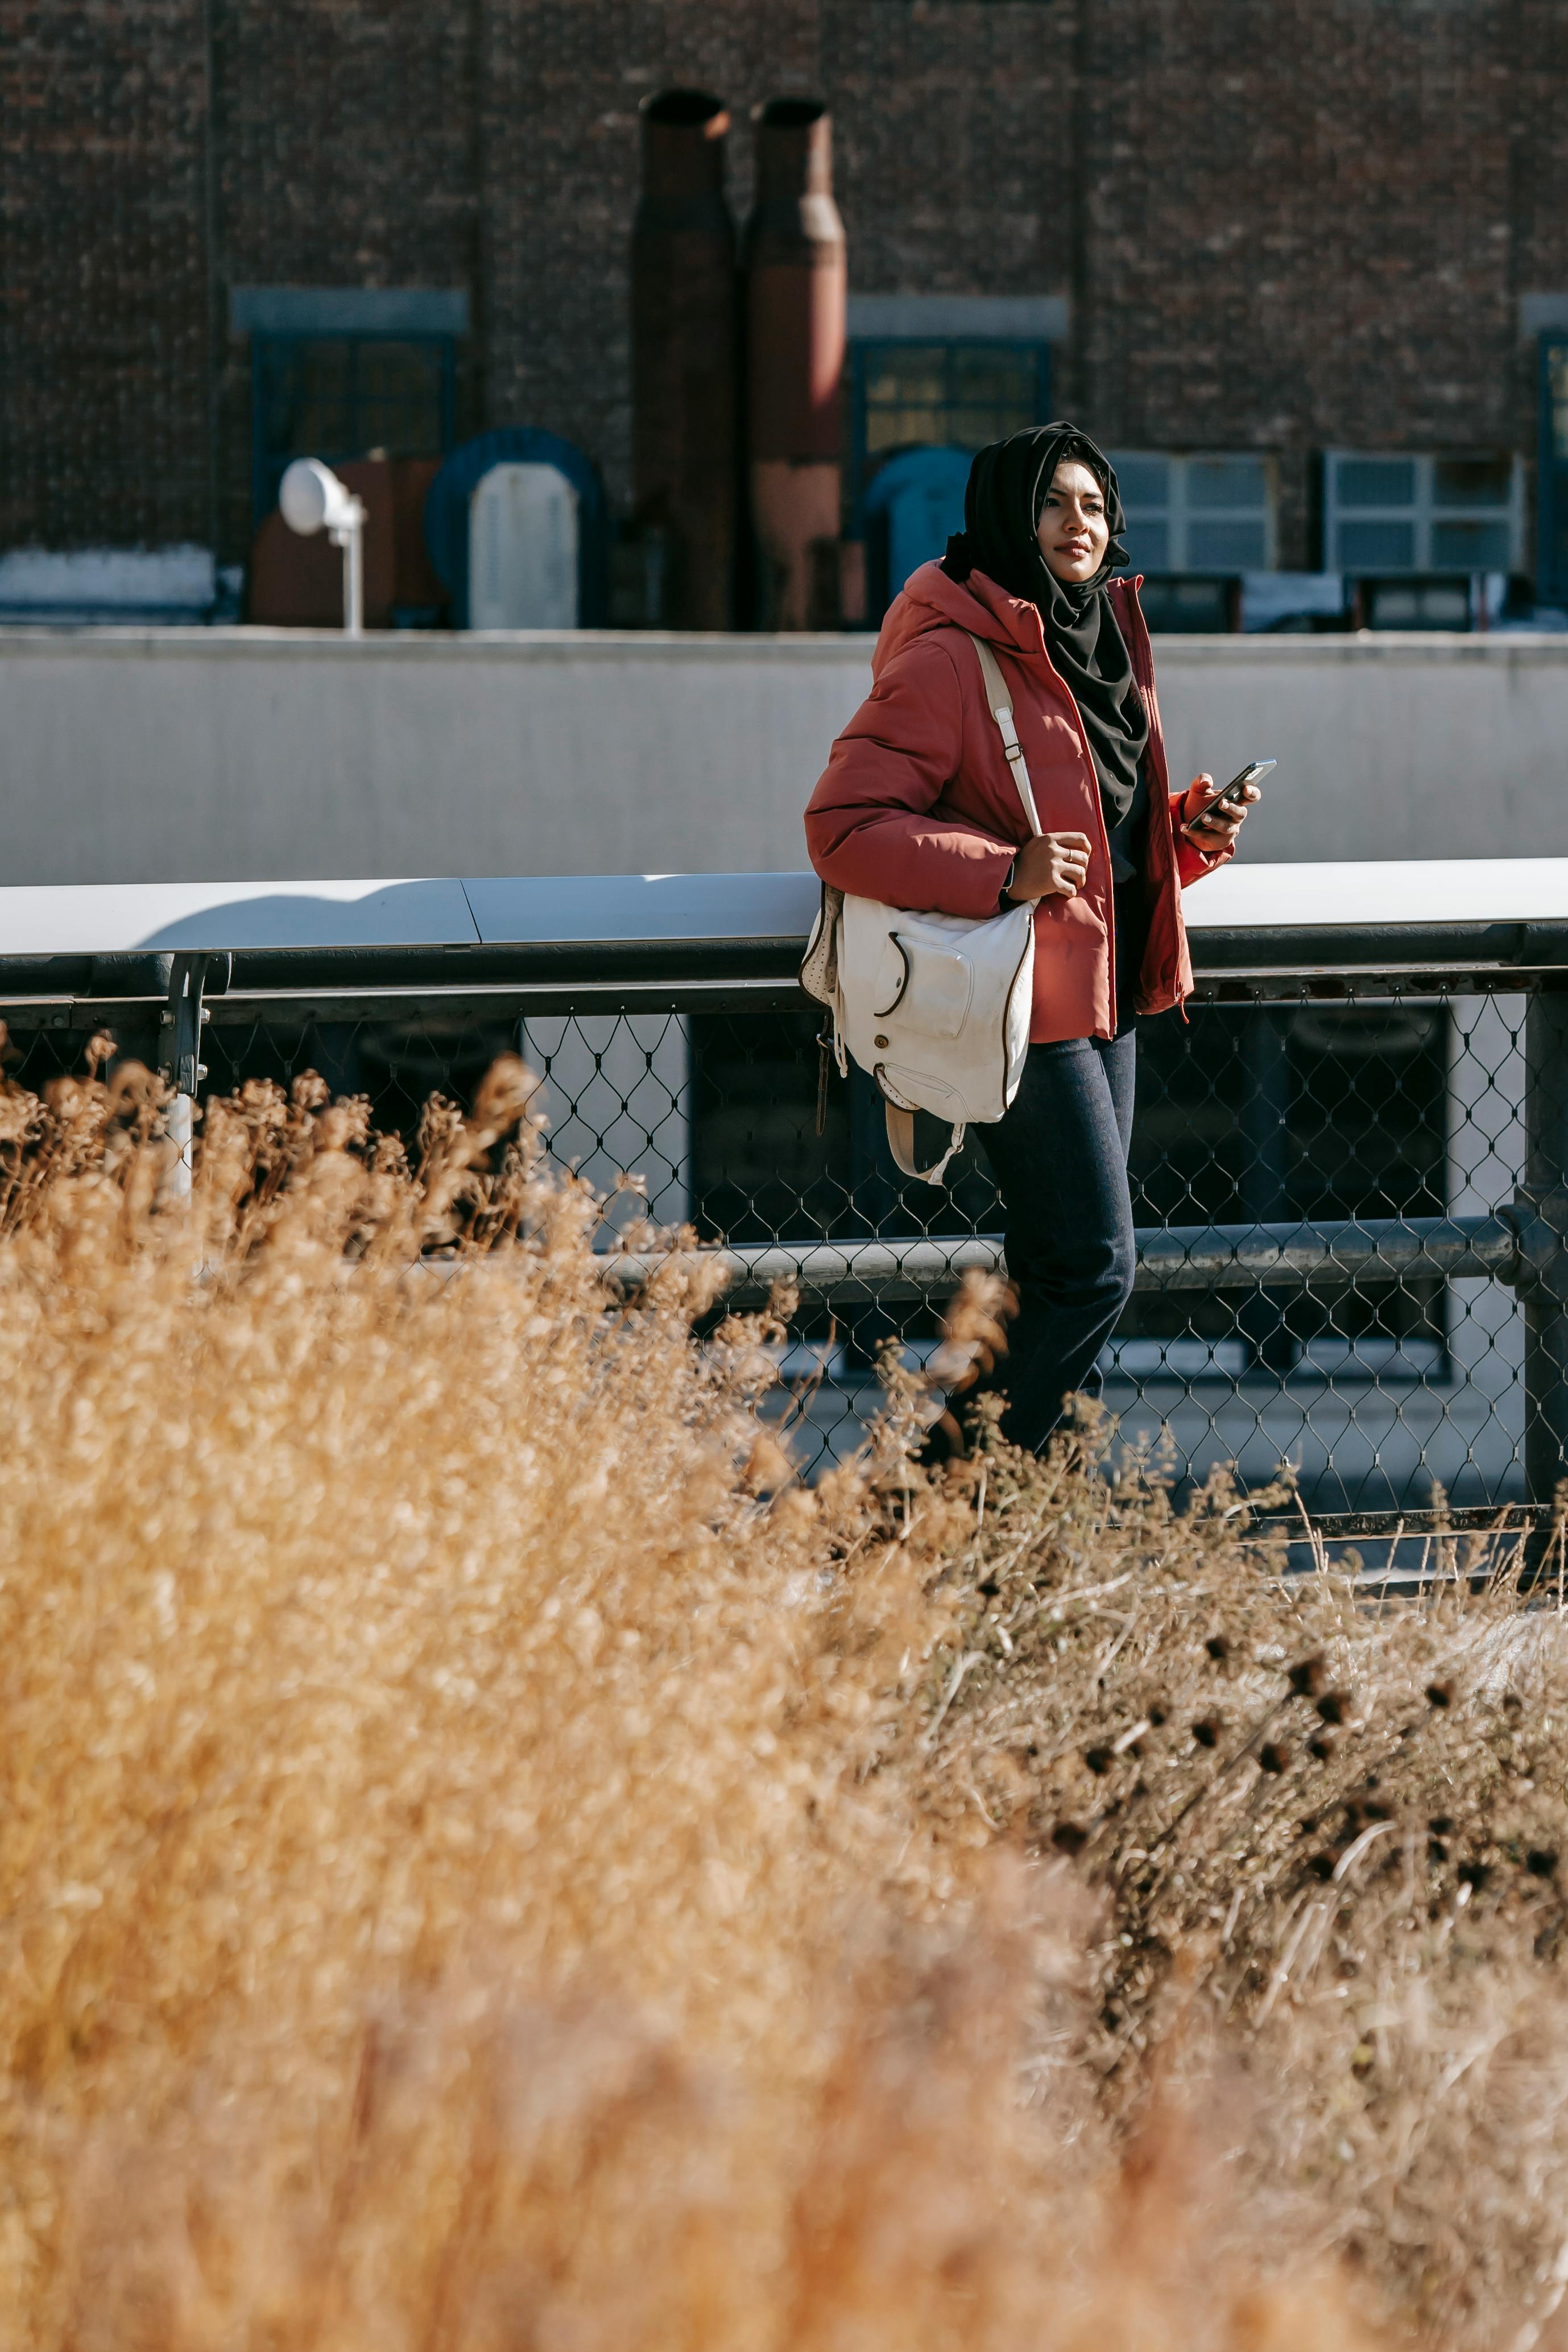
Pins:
<point x="684" y="390"/>
<point x="796" y="303"/>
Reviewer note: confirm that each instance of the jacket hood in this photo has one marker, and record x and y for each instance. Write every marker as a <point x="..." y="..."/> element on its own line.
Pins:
<point x="930" y="600"/>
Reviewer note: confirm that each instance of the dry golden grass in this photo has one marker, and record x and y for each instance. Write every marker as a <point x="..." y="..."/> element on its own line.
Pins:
<point x="487" y="1860"/>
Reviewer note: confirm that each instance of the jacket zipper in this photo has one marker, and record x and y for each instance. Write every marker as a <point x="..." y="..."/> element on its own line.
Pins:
<point x="1143" y="671"/>
<point x="1098" y="817"/>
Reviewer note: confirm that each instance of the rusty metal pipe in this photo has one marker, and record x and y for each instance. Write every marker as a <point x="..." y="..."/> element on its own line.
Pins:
<point x="684" y="354"/>
<point x="795" y="311"/>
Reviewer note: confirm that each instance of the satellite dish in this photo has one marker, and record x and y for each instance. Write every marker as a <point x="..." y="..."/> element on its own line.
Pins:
<point x="310" y="499"/>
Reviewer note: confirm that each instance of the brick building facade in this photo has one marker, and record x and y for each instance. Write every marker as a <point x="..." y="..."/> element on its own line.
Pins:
<point x="1287" y="226"/>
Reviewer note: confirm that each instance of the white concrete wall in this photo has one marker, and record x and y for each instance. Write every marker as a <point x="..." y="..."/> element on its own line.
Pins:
<point x="255" y="754"/>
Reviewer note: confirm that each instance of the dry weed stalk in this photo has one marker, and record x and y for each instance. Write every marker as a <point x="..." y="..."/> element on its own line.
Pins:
<point x="1329" y="1830"/>
<point x="487" y="1859"/>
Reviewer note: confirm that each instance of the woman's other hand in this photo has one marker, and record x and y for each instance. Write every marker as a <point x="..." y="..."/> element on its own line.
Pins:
<point x="1217" y="829"/>
<point x="1051" y="866"/>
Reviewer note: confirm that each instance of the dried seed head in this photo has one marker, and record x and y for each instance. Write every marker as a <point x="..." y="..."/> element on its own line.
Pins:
<point x="768" y="1466"/>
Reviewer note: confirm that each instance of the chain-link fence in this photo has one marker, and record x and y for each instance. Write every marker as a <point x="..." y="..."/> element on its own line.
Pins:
<point x="1348" y="1188"/>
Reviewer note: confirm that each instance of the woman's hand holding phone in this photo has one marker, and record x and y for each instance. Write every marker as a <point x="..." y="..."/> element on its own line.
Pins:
<point x="1051" y="866"/>
<point x="1218" y="827"/>
<point x="1056" y="864"/>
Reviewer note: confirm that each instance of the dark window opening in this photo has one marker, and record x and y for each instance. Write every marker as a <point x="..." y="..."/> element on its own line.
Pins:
<point x="1178" y="601"/>
<point x="1552" y="561"/>
<point x="339" y="397"/>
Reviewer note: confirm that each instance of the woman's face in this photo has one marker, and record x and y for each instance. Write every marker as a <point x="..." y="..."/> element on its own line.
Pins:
<point x="1073" y="532"/>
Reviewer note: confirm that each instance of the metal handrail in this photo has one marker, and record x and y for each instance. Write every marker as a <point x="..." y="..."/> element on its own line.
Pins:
<point x="1170" y="1257"/>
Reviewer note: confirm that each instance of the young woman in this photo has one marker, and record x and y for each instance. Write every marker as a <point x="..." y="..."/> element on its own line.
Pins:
<point x="918" y="808"/>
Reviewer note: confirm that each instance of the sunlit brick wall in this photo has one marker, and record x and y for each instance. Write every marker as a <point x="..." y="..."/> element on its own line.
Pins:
<point x="1278" y="224"/>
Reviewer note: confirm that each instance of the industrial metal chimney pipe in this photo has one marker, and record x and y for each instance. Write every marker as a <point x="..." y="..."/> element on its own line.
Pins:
<point x="795" y="311"/>
<point x="685" y="354"/>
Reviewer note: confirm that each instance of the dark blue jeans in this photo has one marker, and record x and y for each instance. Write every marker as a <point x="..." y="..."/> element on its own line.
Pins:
<point x="1060" y="1159"/>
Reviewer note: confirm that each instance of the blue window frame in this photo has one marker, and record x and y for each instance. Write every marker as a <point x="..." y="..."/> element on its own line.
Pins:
<point x="908" y="392"/>
<point x="339" y="396"/>
<point x="923" y="406"/>
<point x="1552" y="555"/>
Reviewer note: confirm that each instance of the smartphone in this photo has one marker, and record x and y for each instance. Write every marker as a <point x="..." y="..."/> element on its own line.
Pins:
<point x="1252" y="773"/>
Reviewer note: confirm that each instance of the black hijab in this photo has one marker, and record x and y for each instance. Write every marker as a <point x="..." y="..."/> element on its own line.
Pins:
<point x="1002" y="506"/>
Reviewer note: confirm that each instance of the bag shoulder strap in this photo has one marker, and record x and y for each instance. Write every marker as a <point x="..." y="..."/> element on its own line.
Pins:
<point x="1002" y="712"/>
<point x="819" y="964"/>
<point x="901" y="1143"/>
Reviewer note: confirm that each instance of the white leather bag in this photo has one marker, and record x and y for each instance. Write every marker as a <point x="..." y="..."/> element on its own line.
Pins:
<point x="936" y="1007"/>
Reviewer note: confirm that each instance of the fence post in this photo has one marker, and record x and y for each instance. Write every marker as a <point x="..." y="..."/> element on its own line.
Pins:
<point x="1543" y="1205"/>
<point x="1263" y="1316"/>
<point x="178" y="1054"/>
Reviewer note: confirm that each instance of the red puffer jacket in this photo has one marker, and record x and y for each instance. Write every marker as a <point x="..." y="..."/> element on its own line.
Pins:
<point x="918" y="807"/>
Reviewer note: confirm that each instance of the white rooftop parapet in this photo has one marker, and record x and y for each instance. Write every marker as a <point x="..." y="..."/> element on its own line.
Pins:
<point x="1243" y="897"/>
<point x="123" y="918"/>
<point x="108" y="918"/>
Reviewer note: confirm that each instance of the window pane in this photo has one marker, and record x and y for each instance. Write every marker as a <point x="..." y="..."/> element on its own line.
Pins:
<point x="988" y="377"/>
<point x="1148" y="544"/>
<point x="1226" y="482"/>
<point x="337" y="397"/>
<point x="962" y="394"/>
<point x="1471" y="546"/>
<point x="1377" y="547"/>
<point x="1143" y="481"/>
<point x="971" y="428"/>
<point x="913" y="374"/>
<point x="1421" y="605"/>
<point x="1375" y="482"/>
<point x="1472" y="481"/>
<point x="397" y="398"/>
<point x="308" y="402"/>
<point x="1226" y="546"/>
<point x="897" y="428"/>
